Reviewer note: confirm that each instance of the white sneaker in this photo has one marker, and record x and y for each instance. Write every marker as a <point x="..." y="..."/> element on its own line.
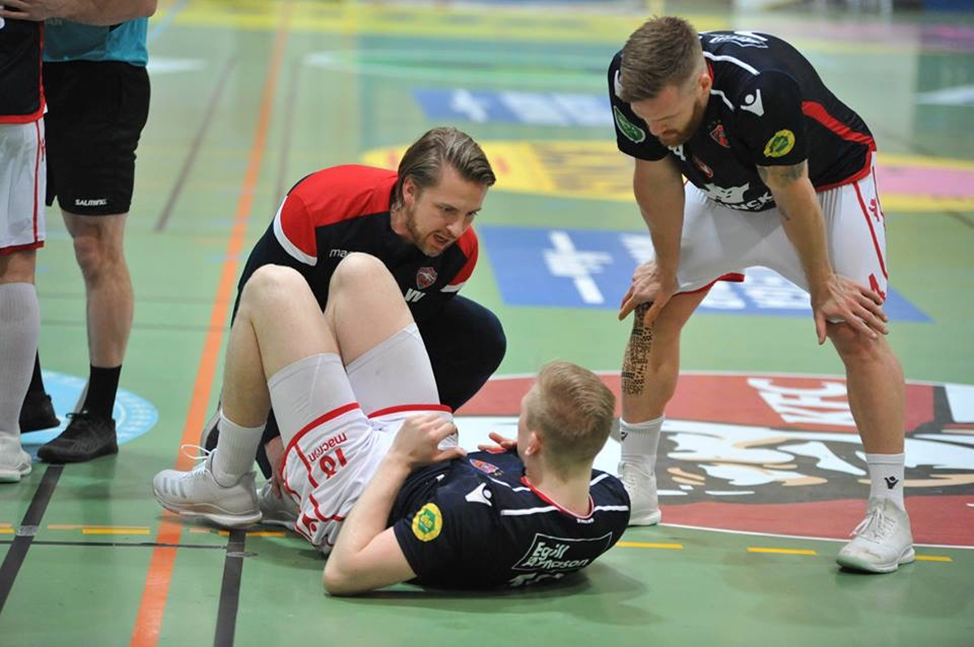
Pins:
<point x="15" y="463"/>
<point x="882" y="540"/>
<point x="277" y="511"/>
<point x="197" y="494"/>
<point x="640" y="484"/>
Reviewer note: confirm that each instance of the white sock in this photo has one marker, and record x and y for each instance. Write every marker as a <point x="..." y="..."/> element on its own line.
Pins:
<point x="235" y="451"/>
<point x="20" y="322"/>
<point x="886" y="477"/>
<point x="640" y="440"/>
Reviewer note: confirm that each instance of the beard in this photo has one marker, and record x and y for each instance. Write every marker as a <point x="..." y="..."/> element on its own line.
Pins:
<point x="679" y="137"/>
<point x="420" y="240"/>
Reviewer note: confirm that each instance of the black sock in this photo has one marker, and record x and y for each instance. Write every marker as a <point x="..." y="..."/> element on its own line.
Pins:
<point x="36" y="382"/>
<point x="102" y="386"/>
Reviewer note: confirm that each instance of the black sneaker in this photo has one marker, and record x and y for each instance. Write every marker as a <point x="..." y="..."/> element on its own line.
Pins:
<point x="87" y="436"/>
<point x="37" y="412"/>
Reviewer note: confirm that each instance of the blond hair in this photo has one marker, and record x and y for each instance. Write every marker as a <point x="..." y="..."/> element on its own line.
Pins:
<point x="572" y="410"/>
<point x="663" y="51"/>
<point x="424" y="160"/>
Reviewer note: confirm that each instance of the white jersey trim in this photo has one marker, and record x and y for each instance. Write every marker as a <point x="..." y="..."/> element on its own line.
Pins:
<point x="731" y="59"/>
<point x="611" y="508"/>
<point x="527" y="511"/>
<point x="453" y="288"/>
<point x="720" y="93"/>
<point x="599" y="478"/>
<point x="288" y="246"/>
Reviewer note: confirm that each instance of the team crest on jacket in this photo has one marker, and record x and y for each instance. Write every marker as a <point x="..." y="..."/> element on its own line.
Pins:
<point x="706" y="170"/>
<point x="719" y="136"/>
<point x="425" y="277"/>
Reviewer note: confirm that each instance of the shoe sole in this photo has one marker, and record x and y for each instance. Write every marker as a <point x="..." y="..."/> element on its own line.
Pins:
<point x="50" y="455"/>
<point x="862" y="565"/>
<point x="210" y="512"/>
<point x="651" y="519"/>
<point x="13" y="476"/>
<point x="28" y="426"/>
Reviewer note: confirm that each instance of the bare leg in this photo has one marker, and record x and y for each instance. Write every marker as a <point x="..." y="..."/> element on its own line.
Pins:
<point x="649" y="374"/>
<point x="874" y="379"/>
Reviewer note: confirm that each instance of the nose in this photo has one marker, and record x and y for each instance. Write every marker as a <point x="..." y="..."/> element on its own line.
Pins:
<point x="656" y="127"/>
<point x="456" y="228"/>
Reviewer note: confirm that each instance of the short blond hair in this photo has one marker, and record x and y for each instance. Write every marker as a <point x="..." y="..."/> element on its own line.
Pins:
<point x="663" y="51"/>
<point x="572" y="410"/>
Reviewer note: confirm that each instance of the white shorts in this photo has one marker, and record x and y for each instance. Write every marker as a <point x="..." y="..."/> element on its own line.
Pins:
<point x="720" y="242"/>
<point x="338" y="423"/>
<point x="23" y="185"/>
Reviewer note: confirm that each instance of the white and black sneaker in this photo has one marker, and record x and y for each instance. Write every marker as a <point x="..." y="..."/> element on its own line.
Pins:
<point x="882" y="541"/>
<point x="640" y="484"/>
<point x="197" y="494"/>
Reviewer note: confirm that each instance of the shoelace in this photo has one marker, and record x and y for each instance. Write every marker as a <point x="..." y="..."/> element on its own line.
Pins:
<point x="202" y="453"/>
<point x="876" y="525"/>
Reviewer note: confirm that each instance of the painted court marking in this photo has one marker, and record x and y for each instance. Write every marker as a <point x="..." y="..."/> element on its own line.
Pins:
<point x="148" y="622"/>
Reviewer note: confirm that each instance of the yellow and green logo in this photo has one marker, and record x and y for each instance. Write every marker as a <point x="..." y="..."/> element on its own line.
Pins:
<point x="780" y="145"/>
<point x="428" y="523"/>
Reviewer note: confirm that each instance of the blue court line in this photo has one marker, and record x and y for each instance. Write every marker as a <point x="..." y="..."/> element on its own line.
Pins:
<point x="157" y="28"/>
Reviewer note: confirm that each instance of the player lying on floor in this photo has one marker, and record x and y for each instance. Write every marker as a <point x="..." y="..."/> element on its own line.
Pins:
<point x="347" y="385"/>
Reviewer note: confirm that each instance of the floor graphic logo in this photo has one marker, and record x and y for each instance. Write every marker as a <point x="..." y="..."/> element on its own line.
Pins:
<point x="133" y="414"/>
<point x="780" y="453"/>
<point x="585" y="268"/>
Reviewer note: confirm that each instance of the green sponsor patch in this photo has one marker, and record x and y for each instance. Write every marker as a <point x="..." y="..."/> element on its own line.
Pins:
<point x="629" y="129"/>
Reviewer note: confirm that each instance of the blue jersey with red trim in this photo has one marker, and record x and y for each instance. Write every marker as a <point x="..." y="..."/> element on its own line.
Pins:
<point x="344" y="209"/>
<point x="767" y="107"/>
<point x="21" y="90"/>
<point x="476" y="523"/>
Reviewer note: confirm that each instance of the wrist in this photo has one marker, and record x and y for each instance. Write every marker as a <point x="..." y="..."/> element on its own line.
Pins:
<point x="396" y="466"/>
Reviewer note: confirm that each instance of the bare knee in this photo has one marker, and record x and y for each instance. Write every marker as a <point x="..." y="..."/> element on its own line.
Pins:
<point x="356" y="269"/>
<point x="97" y="253"/>
<point x="271" y="282"/>
<point x="856" y="347"/>
<point x="18" y="267"/>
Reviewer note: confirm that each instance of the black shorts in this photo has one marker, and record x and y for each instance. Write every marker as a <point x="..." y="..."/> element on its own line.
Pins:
<point x="96" y="112"/>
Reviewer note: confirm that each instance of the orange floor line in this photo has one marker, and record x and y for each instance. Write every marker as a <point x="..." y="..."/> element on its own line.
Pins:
<point x="148" y="622"/>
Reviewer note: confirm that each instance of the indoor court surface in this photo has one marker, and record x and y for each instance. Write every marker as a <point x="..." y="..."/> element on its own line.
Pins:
<point x="761" y="471"/>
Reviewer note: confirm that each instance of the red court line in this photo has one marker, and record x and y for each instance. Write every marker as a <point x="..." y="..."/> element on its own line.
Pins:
<point x="156" y="590"/>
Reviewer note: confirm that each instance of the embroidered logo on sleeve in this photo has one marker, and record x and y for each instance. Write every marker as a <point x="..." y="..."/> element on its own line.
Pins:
<point x="428" y="522"/>
<point x="780" y="144"/>
<point x="629" y="129"/>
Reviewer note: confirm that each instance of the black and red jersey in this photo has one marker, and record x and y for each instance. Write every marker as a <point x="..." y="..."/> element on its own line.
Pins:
<point x="767" y="107"/>
<point x="345" y="209"/>
<point x="21" y="90"/>
<point x="477" y="522"/>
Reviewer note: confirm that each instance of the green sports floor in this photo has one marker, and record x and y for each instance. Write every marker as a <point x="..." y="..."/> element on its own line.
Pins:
<point x="760" y="475"/>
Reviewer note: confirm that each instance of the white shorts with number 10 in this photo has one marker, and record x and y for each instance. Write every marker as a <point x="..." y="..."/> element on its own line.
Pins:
<point x="338" y="423"/>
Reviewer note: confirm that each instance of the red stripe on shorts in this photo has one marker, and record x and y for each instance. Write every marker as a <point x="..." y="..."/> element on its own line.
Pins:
<point x="410" y="407"/>
<point x="872" y="231"/>
<point x="37" y="169"/>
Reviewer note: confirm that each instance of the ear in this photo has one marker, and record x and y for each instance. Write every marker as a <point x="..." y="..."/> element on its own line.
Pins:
<point x="535" y="444"/>
<point x="409" y="191"/>
<point x="705" y="82"/>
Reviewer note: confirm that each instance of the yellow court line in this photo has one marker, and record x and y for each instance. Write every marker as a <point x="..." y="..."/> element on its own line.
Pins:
<point x="259" y="533"/>
<point x="114" y="531"/>
<point x="200" y="531"/>
<point x="782" y="551"/>
<point x="643" y="544"/>
<point x="933" y="558"/>
<point x="7" y="531"/>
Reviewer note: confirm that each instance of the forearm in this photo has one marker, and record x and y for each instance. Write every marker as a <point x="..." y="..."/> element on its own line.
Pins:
<point x="370" y="514"/>
<point x="802" y="219"/>
<point x="661" y="204"/>
<point x="107" y="12"/>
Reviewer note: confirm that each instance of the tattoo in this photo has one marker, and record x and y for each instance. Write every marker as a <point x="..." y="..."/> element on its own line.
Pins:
<point x="637" y="353"/>
<point x="781" y="174"/>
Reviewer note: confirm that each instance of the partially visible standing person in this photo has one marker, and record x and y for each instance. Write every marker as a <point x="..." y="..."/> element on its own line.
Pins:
<point x="97" y="90"/>
<point x="22" y="183"/>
